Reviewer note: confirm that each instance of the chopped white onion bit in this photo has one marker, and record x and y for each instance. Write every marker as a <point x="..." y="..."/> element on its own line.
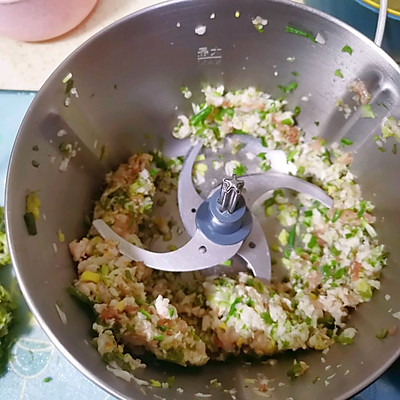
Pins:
<point x="200" y="30"/>
<point x="61" y="314"/>
<point x="396" y="315"/>
<point x="62" y="132"/>
<point x="320" y="39"/>
<point x="67" y="78"/>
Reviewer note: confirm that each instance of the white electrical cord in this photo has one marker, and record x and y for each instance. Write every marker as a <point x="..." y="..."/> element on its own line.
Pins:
<point x="380" y="27"/>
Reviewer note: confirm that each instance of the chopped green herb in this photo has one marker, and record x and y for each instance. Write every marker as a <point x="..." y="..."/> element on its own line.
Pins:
<point x="346" y="142"/>
<point x="316" y="123"/>
<point x="240" y="170"/>
<point x="312" y="242"/>
<point x="128" y="275"/>
<point x="232" y="309"/>
<point x="345" y="340"/>
<point x="367" y="111"/>
<point x="381" y="149"/>
<point x="298" y="32"/>
<point x="158" y="338"/>
<point x="339" y="273"/>
<point x="394" y="148"/>
<point x="228" y="263"/>
<point x="155" y="384"/>
<point x="297" y="111"/>
<point x="263" y="141"/>
<point x="290" y="87"/>
<point x="316" y="379"/>
<point x="201" y="115"/>
<point x="74" y="292"/>
<point x="145" y="313"/>
<point x="163" y="328"/>
<point x="292" y="236"/>
<point x="250" y="302"/>
<point x="103" y="153"/>
<point x="287" y="121"/>
<point x="239" y="132"/>
<point x="266" y="316"/>
<point x="159" y="161"/>
<point x="69" y="84"/>
<point x="60" y="236"/>
<point x="336" y="215"/>
<point x="48" y="379"/>
<point x="338" y="73"/>
<point x="298" y="368"/>
<point x="171" y="312"/>
<point x="294" y="73"/>
<point x="30" y="223"/>
<point x="363" y="205"/>
<point x="326" y="269"/>
<point x="290" y="156"/>
<point x="171" y="381"/>
<point x="265" y="167"/>
<point x="347" y="49"/>
<point x="382" y="334"/>
<point x="250" y="282"/>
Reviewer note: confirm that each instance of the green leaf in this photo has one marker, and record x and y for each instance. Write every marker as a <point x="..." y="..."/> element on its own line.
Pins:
<point x="201" y="115"/>
<point x="338" y="73"/>
<point x="266" y="316"/>
<point x="292" y="236"/>
<point x="299" y="32"/>
<point x="346" y="142"/>
<point x="240" y="170"/>
<point x="382" y="334"/>
<point x="336" y="215"/>
<point x="290" y="87"/>
<point x="232" y="309"/>
<point x="347" y="49"/>
<point x="312" y="242"/>
<point x="297" y="111"/>
<point x="145" y="313"/>
<point x="367" y="111"/>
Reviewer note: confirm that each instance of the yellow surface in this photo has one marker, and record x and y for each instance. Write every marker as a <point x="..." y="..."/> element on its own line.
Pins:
<point x="393" y="6"/>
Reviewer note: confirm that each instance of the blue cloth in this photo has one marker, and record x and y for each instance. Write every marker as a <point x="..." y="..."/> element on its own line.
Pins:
<point x="37" y="370"/>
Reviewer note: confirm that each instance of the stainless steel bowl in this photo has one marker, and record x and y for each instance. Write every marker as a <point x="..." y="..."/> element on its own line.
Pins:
<point x="129" y="78"/>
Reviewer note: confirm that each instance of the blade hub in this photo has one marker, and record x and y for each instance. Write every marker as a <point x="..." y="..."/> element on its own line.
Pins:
<point x="224" y="218"/>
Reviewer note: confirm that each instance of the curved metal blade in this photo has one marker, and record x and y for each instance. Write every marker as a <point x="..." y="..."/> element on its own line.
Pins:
<point x="258" y="184"/>
<point x="188" y="199"/>
<point x="199" y="253"/>
<point x="255" y="251"/>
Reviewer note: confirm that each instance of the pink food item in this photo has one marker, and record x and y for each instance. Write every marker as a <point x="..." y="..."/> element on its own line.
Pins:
<point x="37" y="20"/>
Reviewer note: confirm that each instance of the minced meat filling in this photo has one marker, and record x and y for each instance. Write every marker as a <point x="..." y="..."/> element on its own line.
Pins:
<point x="332" y="256"/>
